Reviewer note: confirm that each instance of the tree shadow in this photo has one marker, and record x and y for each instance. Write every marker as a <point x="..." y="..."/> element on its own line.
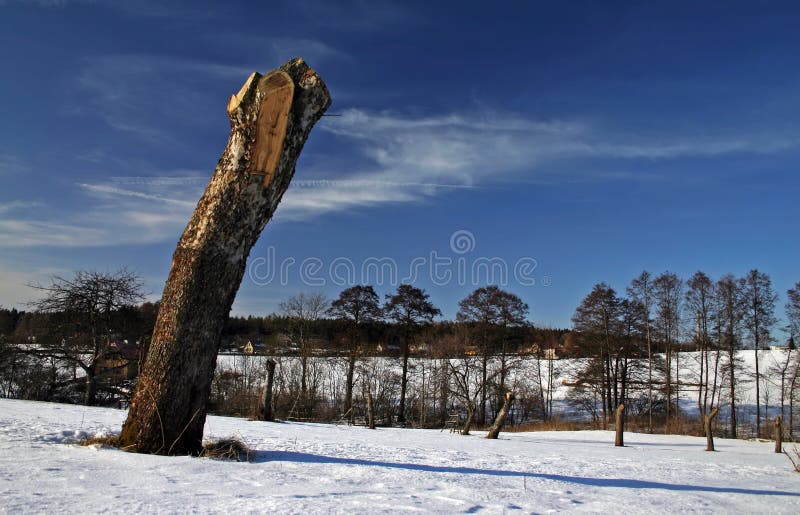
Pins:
<point x="303" y="457"/>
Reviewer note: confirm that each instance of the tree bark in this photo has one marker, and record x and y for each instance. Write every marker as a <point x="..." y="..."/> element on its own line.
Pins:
<point x="778" y="435"/>
<point x="370" y="413"/>
<point x="401" y="409"/>
<point x="348" y="400"/>
<point x="619" y="425"/>
<point x="494" y="431"/>
<point x="271" y="118"/>
<point x="468" y="423"/>
<point x="90" y="394"/>
<point x="707" y="421"/>
<point x="266" y="398"/>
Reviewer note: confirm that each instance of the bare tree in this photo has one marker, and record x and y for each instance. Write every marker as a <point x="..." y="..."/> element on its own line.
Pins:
<point x="759" y="318"/>
<point x="731" y="311"/>
<point x="793" y="326"/>
<point x="489" y="311"/>
<point x="356" y="306"/>
<point x="596" y="320"/>
<point x="641" y="290"/>
<point x="667" y="294"/>
<point x="81" y="311"/>
<point x="410" y="308"/>
<point x="303" y="310"/>
<point x="700" y="297"/>
<point x="793" y="312"/>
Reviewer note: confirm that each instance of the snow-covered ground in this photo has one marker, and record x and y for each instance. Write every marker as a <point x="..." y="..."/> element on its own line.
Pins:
<point x="314" y="468"/>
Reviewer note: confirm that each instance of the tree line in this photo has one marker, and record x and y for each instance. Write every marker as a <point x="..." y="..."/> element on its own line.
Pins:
<point x="636" y="340"/>
<point x="664" y="340"/>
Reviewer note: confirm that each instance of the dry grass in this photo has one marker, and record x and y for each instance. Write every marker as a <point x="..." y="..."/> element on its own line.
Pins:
<point x="231" y="449"/>
<point x="102" y="441"/>
<point x="551" y="425"/>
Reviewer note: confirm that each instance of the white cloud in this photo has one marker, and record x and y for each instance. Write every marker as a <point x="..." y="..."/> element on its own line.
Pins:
<point x="389" y="158"/>
<point x="410" y="158"/>
<point x="124" y="211"/>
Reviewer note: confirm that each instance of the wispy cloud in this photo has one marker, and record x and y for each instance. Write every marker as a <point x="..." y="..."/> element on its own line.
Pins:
<point x="18" y="205"/>
<point x="109" y="190"/>
<point x="388" y="158"/>
<point x="400" y="158"/>
<point x="148" y="95"/>
<point x="120" y="212"/>
<point x="12" y="165"/>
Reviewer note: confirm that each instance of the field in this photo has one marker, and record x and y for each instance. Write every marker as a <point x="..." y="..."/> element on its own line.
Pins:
<point x="316" y="468"/>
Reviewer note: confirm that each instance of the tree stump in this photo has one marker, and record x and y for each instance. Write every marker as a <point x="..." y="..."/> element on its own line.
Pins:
<point x="266" y="398"/>
<point x="778" y="435"/>
<point x="494" y="431"/>
<point x="271" y="118"/>
<point x="707" y="421"/>
<point x="619" y="424"/>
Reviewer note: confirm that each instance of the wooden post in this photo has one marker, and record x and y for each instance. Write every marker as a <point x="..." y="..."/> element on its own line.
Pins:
<point x="494" y="431"/>
<point x="619" y="424"/>
<point x="271" y="118"/>
<point x="266" y="398"/>
<point x="707" y="421"/>
<point x="778" y="435"/>
<point x="370" y="414"/>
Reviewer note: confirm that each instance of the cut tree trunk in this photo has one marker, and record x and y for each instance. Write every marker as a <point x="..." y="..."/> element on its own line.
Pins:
<point x="271" y="118"/>
<point x="494" y="431"/>
<point x="266" y="398"/>
<point x="778" y="435"/>
<point x="707" y="421"/>
<point x="619" y="424"/>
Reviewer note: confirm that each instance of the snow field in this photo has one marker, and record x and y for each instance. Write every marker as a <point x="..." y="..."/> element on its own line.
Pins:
<point x="317" y="468"/>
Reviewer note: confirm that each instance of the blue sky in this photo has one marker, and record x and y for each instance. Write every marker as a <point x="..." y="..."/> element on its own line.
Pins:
<point x="583" y="141"/>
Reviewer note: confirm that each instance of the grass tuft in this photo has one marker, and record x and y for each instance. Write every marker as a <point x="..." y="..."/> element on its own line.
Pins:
<point x="231" y="449"/>
<point x="102" y="441"/>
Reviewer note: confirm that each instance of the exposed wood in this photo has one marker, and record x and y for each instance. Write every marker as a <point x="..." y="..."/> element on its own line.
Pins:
<point x="273" y="117"/>
<point x="168" y="408"/>
<point x="266" y="397"/>
<point x="494" y="431"/>
<point x="778" y="435"/>
<point x="707" y="421"/>
<point x="619" y="425"/>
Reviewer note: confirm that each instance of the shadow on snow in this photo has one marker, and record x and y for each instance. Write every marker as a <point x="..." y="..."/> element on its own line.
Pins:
<point x="302" y="457"/>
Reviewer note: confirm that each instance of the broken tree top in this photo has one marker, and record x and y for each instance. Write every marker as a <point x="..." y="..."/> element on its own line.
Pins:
<point x="273" y="115"/>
